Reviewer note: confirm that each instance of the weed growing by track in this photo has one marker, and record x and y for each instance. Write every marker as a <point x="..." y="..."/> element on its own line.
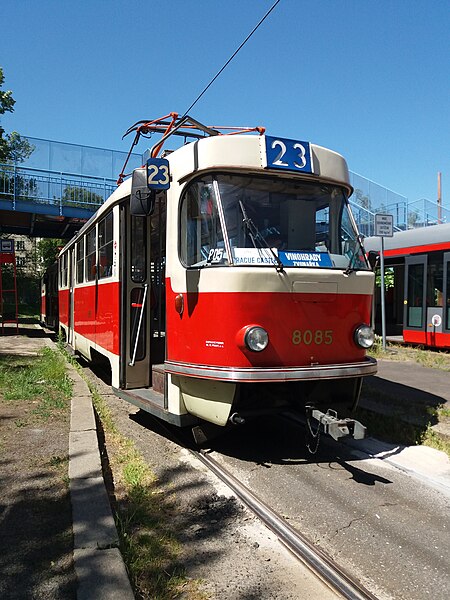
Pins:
<point x="36" y="560"/>
<point x="393" y="427"/>
<point x="432" y="359"/>
<point x="41" y="380"/>
<point x="143" y="514"/>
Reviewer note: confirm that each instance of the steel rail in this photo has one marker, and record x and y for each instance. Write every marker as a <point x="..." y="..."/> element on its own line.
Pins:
<point x="316" y="560"/>
<point x="320" y="564"/>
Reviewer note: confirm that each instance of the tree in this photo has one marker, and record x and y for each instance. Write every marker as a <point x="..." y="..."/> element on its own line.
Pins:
<point x="81" y="197"/>
<point x="48" y="250"/>
<point x="13" y="147"/>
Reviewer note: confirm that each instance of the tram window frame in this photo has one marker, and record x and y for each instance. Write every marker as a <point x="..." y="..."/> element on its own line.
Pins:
<point x="323" y="222"/>
<point x="80" y="260"/>
<point x="105" y="246"/>
<point x="446" y="306"/>
<point x="63" y="270"/>
<point x="415" y="302"/>
<point x="138" y="249"/>
<point x="435" y="280"/>
<point x="91" y="255"/>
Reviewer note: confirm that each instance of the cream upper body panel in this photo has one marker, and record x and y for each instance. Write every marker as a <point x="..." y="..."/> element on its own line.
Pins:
<point x="244" y="153"/>
<point x="247" y="152"/>
<point x="268" y="279"/>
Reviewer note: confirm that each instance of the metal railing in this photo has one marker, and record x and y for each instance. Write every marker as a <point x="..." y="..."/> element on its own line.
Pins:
<point x="53" y="188"/>
<point x="60" y="190"/>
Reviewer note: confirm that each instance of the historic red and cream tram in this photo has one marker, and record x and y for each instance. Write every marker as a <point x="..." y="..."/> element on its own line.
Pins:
<point x="224" y="279"/>
<point x="417" y="265"/>
<point x="49" y="298"/>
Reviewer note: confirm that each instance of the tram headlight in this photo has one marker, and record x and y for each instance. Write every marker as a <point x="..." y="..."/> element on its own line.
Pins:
<point x="364" y="336"/>
<point x="256" y="339"/>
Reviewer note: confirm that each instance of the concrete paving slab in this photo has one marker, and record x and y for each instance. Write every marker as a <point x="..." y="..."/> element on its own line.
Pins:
<point x="84" y="457"/>
<point x="101" y="575"/>
<point x="82" y="414"/>
<point x="80" y="388"/>
<point x="427" y="463"/>
<point x="93" y="522"/>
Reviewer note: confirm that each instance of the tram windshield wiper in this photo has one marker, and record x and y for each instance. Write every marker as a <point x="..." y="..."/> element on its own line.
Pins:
<point x="256" y="236"/>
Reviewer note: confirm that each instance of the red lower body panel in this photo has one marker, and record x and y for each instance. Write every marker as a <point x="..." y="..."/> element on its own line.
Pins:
<point x="303" y="328"/>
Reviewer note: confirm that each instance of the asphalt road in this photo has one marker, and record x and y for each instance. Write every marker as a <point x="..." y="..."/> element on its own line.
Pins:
<point x="387" y="528"/>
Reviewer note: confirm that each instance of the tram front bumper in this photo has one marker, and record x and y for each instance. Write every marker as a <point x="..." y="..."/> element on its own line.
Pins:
<point x="274" y="375"/>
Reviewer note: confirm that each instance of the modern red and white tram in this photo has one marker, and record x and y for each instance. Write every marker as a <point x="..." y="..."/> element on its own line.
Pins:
<point x="223" y="280"/>
<point x="417" y="262"/>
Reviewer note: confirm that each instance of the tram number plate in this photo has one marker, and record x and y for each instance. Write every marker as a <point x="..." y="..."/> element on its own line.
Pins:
<point x="291" y="155"/>
<point x="309" y="336"/>
<point x="158" y="176"/>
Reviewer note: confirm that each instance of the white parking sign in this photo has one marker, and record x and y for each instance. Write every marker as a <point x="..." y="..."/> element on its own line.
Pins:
<point x="384" y="225"/>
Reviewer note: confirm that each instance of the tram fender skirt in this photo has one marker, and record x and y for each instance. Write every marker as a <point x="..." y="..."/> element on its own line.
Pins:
<point x="208" y="400"/>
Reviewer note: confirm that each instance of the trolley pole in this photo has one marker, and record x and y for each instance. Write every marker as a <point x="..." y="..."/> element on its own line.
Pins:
<point x="384" y="227"/>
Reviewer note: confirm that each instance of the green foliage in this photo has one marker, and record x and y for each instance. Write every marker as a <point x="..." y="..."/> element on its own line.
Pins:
<point x="13" y="148"/>
<point x="79" y="196"/>
<point x="42" y="381"/>
<point x="48" y="250"/>
<point x="388" y="278"/>
<point x="6" y="100"/>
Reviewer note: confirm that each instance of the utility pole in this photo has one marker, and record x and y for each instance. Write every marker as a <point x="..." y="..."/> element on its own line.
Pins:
<point x="439" y="197"/>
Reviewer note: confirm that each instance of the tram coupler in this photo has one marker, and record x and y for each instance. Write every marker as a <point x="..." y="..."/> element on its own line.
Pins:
<point x="237" y="419"/>
<point x="334" y="426"/>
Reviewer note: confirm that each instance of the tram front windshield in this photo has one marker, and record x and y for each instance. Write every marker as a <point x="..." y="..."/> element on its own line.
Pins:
<point x="239" y="220"/>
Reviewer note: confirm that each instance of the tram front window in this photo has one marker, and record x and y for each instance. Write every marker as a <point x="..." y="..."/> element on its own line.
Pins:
<point x="301" y="223"/>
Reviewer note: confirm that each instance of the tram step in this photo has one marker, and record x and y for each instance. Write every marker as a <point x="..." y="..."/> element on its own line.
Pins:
<point x="158" y="378"/>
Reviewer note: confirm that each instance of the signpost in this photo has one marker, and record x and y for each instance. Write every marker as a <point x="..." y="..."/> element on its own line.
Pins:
<point x="384" y="227"/>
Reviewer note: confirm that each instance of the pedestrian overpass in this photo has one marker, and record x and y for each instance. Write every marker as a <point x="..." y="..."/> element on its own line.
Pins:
<point x="55" y="191"/>
<point x="58" y="188"/>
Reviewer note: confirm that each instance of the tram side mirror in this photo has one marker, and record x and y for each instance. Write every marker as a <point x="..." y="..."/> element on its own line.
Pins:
<point x="142" y="202"/>
<point x="373" y="257"/>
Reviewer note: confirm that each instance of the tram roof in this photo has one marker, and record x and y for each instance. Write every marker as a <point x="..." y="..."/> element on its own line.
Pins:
<point x="232" y="152"/>
<point x="412" y="241"/>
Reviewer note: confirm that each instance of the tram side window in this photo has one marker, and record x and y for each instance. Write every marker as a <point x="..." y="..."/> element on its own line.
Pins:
<point x="435" y="280"/>
<point x="200" y="229"/>
<point x="415" y="295"/>
<point x="63" y="271"/>
<point x="91" y="239"/>
<point x="138" y="249"/>
<point x="80" y="261"/>
<point x="105" y="247"/>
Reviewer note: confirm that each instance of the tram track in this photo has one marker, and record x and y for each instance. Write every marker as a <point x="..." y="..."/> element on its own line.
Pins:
<point x="317" y="561"/>
<point x="338" y="578"/>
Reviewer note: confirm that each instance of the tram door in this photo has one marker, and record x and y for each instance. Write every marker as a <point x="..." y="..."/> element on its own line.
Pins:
<point x="425" y="292"/>
<point x="435" y="298"/>
<point x="136" y="300"/>
<point x="414" y="316"/>
<point x="446" y="293"/>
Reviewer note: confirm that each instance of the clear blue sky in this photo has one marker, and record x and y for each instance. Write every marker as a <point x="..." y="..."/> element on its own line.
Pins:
<point x="367" y="78"/>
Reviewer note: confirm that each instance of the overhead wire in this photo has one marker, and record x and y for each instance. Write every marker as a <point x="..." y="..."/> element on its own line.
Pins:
<point x="231" y="57"/>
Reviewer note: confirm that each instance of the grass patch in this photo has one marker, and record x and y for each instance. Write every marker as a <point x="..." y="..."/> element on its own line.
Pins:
<point x="392" y="427"/>
<point x="389" y="428"/>
<point x="42" y="381"/>
<point x="432" y="439"/>
<point x="144" y="516"/>
<point x="433" y="359"/>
